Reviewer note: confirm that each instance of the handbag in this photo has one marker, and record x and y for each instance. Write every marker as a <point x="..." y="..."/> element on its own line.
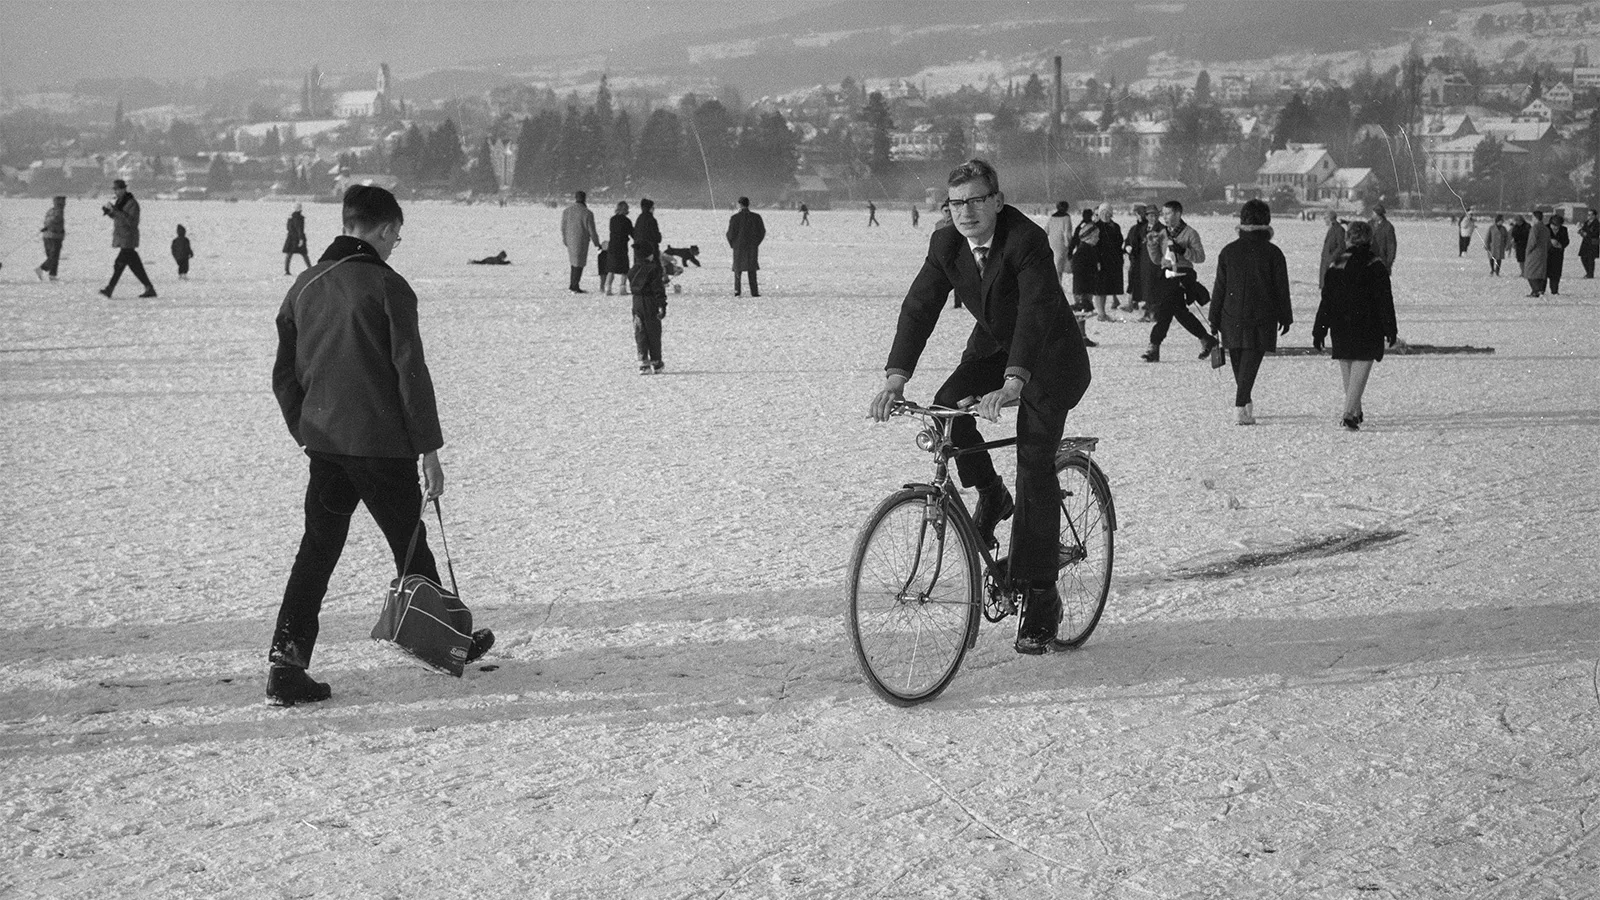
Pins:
<point x="1218" y="357"/>
<point x="422" y="618"/>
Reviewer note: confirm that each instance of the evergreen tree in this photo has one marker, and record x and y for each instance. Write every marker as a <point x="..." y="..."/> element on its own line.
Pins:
<point x="1033" y="94"/>
<point x="1294" y="124"/>
<point x="484" y="179"/>
<point x="220" y="178"/>
<point x="660" y="146"/>
<point x="536" y="144"/>
<point x="711" y="134"/>
<point x="766" y="151"/>
<point x="955" y="145"/>
<point x="1202" y="88"/>
<point x="271" y="145"/>
<point x="876" y="117"/>
<point x="619" y="149"/>
<point x="570" y="164"/>
<point x="443" y="158"/>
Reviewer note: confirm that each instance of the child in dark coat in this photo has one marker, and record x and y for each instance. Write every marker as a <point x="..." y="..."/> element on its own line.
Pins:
<point x="649" y="306"/>
<point x="182" y="252"/>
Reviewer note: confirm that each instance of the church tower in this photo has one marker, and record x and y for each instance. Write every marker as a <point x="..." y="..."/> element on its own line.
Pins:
<point x="380" y="105"/>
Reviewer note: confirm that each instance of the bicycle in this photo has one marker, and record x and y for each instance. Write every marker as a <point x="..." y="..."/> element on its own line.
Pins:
<point x="915" y="589"/>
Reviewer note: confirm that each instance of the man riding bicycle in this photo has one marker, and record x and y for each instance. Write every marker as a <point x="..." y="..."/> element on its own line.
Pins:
<point x="1026" y="349"/>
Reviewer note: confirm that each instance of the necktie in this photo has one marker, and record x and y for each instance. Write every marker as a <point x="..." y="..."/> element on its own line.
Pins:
<point x="982" y="254"/>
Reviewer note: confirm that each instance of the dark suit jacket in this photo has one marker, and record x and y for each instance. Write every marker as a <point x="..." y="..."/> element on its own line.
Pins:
<point x="350" y="376"/>
<point x="1019" y="305"/>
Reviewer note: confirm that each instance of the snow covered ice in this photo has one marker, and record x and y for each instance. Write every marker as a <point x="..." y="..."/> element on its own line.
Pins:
<point x="674" y="710"/>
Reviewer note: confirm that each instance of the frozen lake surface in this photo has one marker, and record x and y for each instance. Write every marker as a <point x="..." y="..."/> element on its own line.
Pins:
<point x="673" y="709"/>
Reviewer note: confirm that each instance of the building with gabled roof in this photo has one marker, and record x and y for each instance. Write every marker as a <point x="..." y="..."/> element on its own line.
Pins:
<point x="1301" y="167"/>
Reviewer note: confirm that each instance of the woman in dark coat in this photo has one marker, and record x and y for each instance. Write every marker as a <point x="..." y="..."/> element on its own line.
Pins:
<point x="1133" y="248"/>
<point x="295" y="241"/>
<point x="616" y="252"/>
<point x="1556" y="258"/>
<point x="1519" y="239"/>
<point x="1358" y="309"/>
<point x="1250" y="302"/>
<point x="1110" y="262"/>
<point x="1084" y="250"/>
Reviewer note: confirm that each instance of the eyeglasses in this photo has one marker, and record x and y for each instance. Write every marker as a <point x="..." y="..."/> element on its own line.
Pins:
<point x="958" y="205"/>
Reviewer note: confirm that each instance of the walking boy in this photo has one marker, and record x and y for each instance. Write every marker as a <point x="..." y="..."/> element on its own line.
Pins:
<point x="54" y="233"/>
<point x="649" y="306"/>
<point x="1176" y="249"/>
<point x="355" y="392"/>
<point x="182" y="251"/>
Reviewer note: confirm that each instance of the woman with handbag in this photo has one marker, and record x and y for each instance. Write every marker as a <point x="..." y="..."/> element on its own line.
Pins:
<point x="1083" y="249"/>
<point x="1250" y="302"/>
<point x="1358" y="308"/>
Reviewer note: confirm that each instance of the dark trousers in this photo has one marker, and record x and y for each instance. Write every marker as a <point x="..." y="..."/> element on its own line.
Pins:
<point x="183" y="266"/>
<point x="337" y="484"/>
<point x="1463" y="242"/>
<point x="1173" y="308"/>
<point x="52" y="256"/>
<point x="1588" y="265"/>
<point x="754" y="290"/>
<point x="129" y="259"/>
<point x="1246" y="363"/>
<point x="577" y="276"/>
<point x="647" y="331"/>
<point x="291" y="255"/>
<point x="1494" y="266"/>
<point x="1537" y="284"/>
<point x="1036" y="524"/>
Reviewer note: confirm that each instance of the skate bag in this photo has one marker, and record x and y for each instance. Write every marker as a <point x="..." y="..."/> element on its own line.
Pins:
<point x="422" y="618"/>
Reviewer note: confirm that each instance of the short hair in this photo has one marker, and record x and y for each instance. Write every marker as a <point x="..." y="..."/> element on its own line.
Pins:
<point x="646" y="204"/>
<point x="1377" y="209"/>
<point x="744" y="201"/>
<point x="62" y="198"/>
<point x="368" y="206"/>
<point x="1173" y="205"/>
<point x="581" y="197"/>
<point x="119" y="183"/>
<point x="1255" y="212"/>
<point x="1539" y="214"/>
<point x="1063" y="207"/>
<point x="973" y="170"/>
<point x="1359" y="232"/>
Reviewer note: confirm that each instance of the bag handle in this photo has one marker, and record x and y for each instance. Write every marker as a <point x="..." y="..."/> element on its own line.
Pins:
<point x="411" y="548"/>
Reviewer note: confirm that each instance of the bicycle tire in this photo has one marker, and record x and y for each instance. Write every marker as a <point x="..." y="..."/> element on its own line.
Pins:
<point x="1087" y="547"/>
<point x="910" y="647"/>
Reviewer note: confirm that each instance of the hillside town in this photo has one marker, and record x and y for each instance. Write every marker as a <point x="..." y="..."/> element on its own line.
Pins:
<point x="1440" y="132"/>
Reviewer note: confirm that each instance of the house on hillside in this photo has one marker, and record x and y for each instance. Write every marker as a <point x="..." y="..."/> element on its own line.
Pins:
<point x="1509" y="93"/>
<point x="810" y="190"/>
<point x="1560" y="97"/>
<point x="1452" y="161"/>
<point x="921" y="144"/>
<point x="1302" y="168"/>
<point x="1438" y="129"/>
<point x="1529" y="134"/>
<point x="1348" y="184"/>
<point x="1538" y="109"/>
<point x="1447" y="89"/>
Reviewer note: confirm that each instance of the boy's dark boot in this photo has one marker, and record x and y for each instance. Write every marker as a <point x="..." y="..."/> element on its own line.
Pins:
<point x="994" y="506"/>
<point x="288" y="685"/>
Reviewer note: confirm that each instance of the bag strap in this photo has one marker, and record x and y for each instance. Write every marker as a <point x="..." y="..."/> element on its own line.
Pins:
<point x="411" y="548"/>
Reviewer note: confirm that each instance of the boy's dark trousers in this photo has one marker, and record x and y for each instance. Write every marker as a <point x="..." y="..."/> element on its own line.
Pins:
<point x="52" y="256"/>
<point x="576" y="282"/>
<point x="1036" y="526"/>
<point x="129" y="259"/>
<point x="754" y="290"/>
<point x="647" y="329"/>
<point x="337" y="484"/>
<point x="1170" y="305"/>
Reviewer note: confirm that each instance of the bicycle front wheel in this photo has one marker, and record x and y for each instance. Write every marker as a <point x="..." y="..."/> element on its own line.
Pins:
<point x="1086" y="548"/>
<point x="914" y="593"/>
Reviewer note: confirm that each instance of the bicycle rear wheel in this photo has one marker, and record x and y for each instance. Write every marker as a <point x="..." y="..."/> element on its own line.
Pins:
<point x="913" y="597"/>
<point x="1086" y="547"/>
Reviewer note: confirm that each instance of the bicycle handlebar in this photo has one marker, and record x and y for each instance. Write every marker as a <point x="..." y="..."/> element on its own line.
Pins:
<point x="907" y="408"/>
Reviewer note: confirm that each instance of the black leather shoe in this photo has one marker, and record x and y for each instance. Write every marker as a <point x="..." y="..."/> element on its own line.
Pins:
<point x="994" y="506"/>
<point x="288" y="685"/>
<point x="482" y="640"/>
<point x="1041" y="617"/>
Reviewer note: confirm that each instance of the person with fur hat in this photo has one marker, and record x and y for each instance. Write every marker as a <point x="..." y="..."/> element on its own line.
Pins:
<point x="1358" y="309"/>
<point x="1250" y="302"/>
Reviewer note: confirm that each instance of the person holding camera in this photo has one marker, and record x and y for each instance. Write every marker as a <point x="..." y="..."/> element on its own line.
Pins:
<point x="124" y="214"/>
<point x="1175" y="249"/>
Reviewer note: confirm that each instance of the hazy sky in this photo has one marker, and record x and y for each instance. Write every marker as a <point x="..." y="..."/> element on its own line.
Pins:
<point x="59" y="42"/>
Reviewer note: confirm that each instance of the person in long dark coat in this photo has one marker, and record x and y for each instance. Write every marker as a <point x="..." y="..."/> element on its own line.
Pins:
<point x="746" y="231"/>
<point x="1537" y="256"/>
<point x="1133" y="248"/>
<point x="1519" y="239"/>
<point x="1589" y="241"/>
<point x="1384" y="243"/>
<point x="645" y="229"/>
<point x="1250" y="302"/>
<point x="620" y="234"/>
<point x="1557" y="258"/>
<point x="294" y="242"/>
<point x="1084" y="251"/>
<point x="1358" y="309"/>
<point x="1110" y="275"/>
<point x="1332" y="244"/>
